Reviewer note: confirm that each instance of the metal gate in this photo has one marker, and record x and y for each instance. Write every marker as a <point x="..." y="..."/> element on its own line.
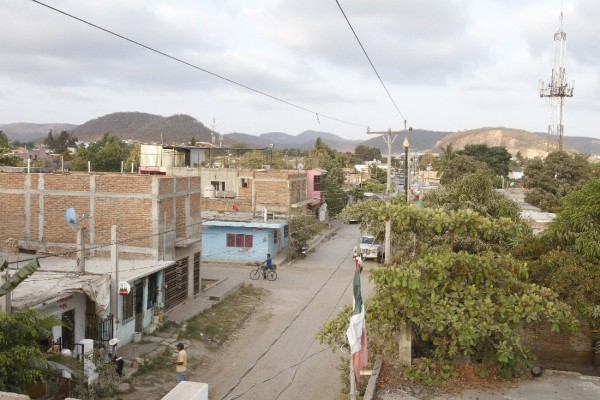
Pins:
<point x="176" y="281"/>
<point x="98" y="329"/>
<point x="197" y="273"/>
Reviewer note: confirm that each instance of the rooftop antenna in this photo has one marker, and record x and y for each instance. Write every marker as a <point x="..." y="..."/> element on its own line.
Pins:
<point x="212" y="132"/>
<point x="557" y="89"/>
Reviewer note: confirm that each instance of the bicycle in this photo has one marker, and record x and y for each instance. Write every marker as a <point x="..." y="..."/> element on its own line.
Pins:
<point x="270" y="275"/>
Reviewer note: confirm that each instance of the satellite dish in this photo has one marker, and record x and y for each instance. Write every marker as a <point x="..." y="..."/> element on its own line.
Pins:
<point x="71" y="217"/>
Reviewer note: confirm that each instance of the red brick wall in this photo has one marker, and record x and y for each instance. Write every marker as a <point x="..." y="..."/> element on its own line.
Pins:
<point x="110" y="199"/>
<point x="555" y="349"/>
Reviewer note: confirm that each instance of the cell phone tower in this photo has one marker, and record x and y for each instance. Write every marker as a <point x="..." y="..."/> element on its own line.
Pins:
<point x="557" y="90"/>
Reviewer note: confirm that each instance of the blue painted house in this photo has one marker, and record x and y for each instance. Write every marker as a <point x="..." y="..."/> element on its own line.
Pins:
<point x="242" y="237"/>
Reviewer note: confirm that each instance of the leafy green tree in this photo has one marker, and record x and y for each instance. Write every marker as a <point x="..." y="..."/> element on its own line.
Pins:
<point x="378" y="174"/>
<point x="550" y="180"/>
<point x="459" y="166"/>
<point x="497" y="158"/>
<point x="61" y="143"/>
<point x="364" y="153"/>
<point x="258" y="159"/>
<point x="447" y="154"/>
<point x="21" y="361"/>
<point x="105" y="155"/>
<point x="474" y="191"/>
<point x="577" y="226"/>
<point x="302" y="228"/>
<point x="5" y="148"/>
<point x="335" y="197"/>
<point x="473" y="304"/>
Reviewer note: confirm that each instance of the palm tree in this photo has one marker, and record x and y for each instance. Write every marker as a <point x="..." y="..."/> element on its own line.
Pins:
<point x="447" y="153"/>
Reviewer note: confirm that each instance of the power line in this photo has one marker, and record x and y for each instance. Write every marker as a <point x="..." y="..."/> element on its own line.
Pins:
<point x="147" y="47"/>
<point x="264" y="353"/>
<point x="369" y="59"/>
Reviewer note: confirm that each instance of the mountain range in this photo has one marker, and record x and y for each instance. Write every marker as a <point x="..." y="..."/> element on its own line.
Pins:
<point x="181" y="128"/>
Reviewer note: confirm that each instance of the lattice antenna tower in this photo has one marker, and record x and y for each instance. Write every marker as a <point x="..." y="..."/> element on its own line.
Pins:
<point x="557" y="90"/>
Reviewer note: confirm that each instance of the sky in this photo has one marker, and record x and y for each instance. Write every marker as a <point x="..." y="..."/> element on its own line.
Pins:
<point x="257" y="66"/>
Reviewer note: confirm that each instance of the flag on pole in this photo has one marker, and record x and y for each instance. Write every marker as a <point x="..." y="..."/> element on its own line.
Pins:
<point x="357" y="331"/>
<point x="358" y="262"/>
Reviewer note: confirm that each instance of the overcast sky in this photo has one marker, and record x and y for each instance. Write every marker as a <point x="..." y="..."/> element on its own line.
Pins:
<point x="448" y="65"/>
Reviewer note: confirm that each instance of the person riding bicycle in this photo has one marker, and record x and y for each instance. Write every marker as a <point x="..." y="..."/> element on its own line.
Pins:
<point x="268" y="265"/>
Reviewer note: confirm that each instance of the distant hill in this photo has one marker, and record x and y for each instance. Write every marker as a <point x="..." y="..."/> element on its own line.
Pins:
<point x="303" y="141"/>
<point x="176" y="129"/>
<point x="25" y="132"/>
<point x="515" y="140"/>
<point x="180" y="128"/>
<point x="578" y="143"/>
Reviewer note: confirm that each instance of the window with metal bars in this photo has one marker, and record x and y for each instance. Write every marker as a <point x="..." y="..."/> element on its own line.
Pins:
<point x="239" y="240"/>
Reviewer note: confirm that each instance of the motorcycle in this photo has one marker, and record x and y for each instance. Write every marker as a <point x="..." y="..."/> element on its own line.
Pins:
<point x="302" y="250"/>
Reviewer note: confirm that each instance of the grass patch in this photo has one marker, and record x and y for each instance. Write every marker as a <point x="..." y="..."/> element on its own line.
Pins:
<point x="215" y="325"/>
<point x="160" y="363"/>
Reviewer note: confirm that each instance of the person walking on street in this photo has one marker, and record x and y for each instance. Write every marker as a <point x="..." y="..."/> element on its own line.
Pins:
<point x="181" y="363"/>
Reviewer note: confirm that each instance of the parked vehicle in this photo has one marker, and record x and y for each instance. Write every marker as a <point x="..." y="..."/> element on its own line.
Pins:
<point x="302" y="250"/>
<point x="370" y="248"/>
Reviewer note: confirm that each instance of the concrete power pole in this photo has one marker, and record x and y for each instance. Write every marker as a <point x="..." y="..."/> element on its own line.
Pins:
<point x="389" y="139"/>
<point x="557" y="89"/>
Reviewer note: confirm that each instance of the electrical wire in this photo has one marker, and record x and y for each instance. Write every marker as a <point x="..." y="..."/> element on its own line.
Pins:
<point x="369" y="59"/>
<point x="264" y="353"/>
<point x="147" y="47"/>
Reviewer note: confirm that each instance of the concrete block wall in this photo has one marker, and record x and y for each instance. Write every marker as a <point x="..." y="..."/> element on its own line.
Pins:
<point x="33" y="206"/>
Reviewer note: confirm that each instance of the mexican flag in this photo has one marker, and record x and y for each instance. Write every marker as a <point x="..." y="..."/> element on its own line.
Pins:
<point x="357" y="331"/>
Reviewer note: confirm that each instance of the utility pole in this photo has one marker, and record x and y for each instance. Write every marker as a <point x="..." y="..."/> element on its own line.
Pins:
<point x="389" y="139"/>
<point x="557" y="89"/>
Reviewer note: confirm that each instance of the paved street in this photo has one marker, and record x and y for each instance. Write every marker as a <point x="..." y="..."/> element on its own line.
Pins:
<point x="276" y="355"/>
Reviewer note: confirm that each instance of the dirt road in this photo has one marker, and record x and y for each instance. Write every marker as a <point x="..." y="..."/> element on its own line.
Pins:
<point x="276" y="356"/>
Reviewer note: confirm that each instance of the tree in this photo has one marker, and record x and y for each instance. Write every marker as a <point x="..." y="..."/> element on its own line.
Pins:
<point x="497" y="158"/>
<point x="447" y="154"/>
<point x="459" y="166"/>
<point x="335" y="197"/>
<point x="302" y="228"/>
<point x="474" y="191"/>
<point x="577" y="226"/>
<point x="550" y="180"/>
<point x="5" y="158"/>
<point x="258" y="159"/>
<point x="105" y="155"/>
<point x="21" y="361"/>
<point x="473" y="304"/>
<point x="364" y="153"/>
<point x="60" y="144"/>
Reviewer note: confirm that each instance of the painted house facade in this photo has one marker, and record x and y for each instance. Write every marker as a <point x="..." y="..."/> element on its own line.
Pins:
<point x="241" y="237"/>
<point x="158" y="222"/>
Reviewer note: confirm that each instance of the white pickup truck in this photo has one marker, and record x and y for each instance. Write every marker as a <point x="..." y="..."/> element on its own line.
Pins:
<point x="370" y="248"/>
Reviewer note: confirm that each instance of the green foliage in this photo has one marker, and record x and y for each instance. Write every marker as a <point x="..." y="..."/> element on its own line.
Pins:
<point x="364" y="153"/>
<point x="5" y="148"/>
<point x="461" y="165"/>
<point x="474" y="191"/>
<point x="302" y="228"/>
<point x="335" y="197"/>
<point x="20" y="354"/>
<point x="456" y="230"/>
<point x="61" y="143"/>
<point x="431" y="372"/>
<point x="105" y="155"/>
<point x="550" y="180"/>
<point x="259" y="158"/>
<point x="497" y="158"/>
<point x="462" y="304"/>
<point x="577" y="226"/>
<point x="105" y="385"/>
